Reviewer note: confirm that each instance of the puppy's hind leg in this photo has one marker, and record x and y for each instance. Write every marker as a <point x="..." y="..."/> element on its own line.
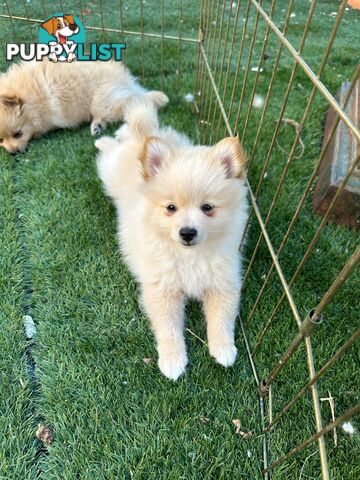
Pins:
<point x="166" y="313"/>
<point x="101" y="117"/>
<point x="100" y="109"/>
<point x="97" y="126"/>
<point x="106" y="107"/>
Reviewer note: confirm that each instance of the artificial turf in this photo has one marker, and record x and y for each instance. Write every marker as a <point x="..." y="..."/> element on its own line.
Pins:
<point x="113" y="414"/>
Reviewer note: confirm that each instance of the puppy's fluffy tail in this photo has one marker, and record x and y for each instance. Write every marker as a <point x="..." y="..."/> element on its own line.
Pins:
<point x="141" y="116"/>
<point x="158" y="98"/>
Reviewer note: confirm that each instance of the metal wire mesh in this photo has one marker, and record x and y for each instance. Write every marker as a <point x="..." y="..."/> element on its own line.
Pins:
<point x="235" y="111"/>
<point x="231" y="47"/>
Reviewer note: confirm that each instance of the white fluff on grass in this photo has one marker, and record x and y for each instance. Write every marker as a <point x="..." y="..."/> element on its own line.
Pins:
<point x="189" y="97"/>
<point x="349" y="428"/>
<point x="30" y="327"/>
<point x="258" y="101"/>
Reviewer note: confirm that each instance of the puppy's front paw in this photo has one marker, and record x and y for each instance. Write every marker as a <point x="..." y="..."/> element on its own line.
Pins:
<point x="173" y="365"/>
<point x="97" y="127"/>
<point x="224" y="353"/>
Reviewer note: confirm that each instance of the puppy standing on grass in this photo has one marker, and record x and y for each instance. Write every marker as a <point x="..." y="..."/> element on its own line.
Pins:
<point x="36" y="97"/>
<point x="182" y="210"/>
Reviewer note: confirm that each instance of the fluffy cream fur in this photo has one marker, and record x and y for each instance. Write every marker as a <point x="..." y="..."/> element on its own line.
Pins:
<point x="146" y="170"/>
<point x="36" y="97"/>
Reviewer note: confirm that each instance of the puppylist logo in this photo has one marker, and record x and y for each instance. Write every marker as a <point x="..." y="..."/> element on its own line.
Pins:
<point x="62" y="39"/>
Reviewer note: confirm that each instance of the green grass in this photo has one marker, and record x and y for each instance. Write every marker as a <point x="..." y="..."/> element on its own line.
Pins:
<point x="114" y="416"/>
<point x="17" y="413"/>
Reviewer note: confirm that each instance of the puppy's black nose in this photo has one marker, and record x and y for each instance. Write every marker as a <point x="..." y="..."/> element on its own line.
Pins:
<point x="187" y="233"/>
<point x="73" y="27"/>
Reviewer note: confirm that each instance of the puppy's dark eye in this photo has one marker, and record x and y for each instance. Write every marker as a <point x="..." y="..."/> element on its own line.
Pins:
<point x="171" y="208"/>
<point x="206" y="208"/>
<point x="18" y="134"/>
<point x="1" y="140"/>
<point x="59" y="25"/>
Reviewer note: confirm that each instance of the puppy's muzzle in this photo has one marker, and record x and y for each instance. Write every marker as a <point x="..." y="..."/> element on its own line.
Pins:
<point x="14" y="150"/>
<point x="187" y="235"/>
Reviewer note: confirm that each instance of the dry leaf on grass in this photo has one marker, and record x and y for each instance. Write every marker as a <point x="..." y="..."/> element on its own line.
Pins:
<point x="238" y="431"/>
<point x="147" y="360"/>
<point x="86" y="11"/>
<point x="45" y="434"/>
<point x="245" y="435"/>
<point x="204" y="419"/>
<point x="237" y="424"/>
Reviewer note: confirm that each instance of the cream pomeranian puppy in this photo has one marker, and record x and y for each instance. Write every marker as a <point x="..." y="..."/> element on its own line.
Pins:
<point x="36" y="97"/>
<point x="182" y="211"/>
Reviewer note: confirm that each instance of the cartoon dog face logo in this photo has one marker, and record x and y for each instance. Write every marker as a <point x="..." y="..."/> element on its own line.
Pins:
<point x="61" y="27"/>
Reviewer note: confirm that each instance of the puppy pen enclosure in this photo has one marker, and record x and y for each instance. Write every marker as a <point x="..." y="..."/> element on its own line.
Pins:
<point x="266" y="71"/>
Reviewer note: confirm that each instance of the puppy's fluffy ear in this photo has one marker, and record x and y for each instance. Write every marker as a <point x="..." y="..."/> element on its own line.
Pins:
<point x="230" y="154"/>
<point x="11" y="101"/>
<point x="50" y="25"/>
<point x="155" y="153"/>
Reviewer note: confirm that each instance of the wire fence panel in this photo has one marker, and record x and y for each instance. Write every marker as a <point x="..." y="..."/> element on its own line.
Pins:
<point x="238" y="112"/>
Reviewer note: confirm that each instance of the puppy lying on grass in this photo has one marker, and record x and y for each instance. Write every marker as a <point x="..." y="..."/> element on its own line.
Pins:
<point x="182" y="210"/>
<point x="36" y="97"/>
